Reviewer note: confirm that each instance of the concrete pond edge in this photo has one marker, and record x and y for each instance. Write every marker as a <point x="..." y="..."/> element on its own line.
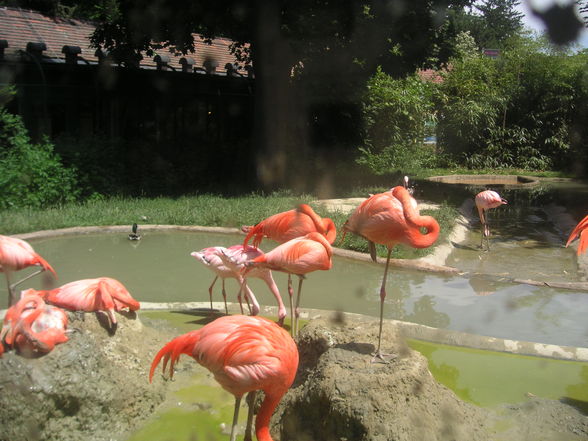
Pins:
<point x="406" y="329"/>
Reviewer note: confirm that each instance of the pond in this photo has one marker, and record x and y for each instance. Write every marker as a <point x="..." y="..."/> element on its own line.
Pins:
<point x="159" y="268"/>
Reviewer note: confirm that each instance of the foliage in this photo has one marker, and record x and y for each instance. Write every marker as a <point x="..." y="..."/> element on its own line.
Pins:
<point x="521" y="110"/>
<point x="31" y="174"/>
<point x="395" y="114"/>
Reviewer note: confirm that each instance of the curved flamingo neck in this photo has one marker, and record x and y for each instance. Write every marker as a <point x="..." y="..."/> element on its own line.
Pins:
<point x="416" y="221"/>
<point x="270" y="402"/>
<point x="324" y="226"/>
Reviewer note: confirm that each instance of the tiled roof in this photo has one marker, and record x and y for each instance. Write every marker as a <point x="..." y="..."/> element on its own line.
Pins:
<point x="19" y="26"/>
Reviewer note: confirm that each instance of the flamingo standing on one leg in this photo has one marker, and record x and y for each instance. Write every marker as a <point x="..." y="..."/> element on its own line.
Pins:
<point x="16" y="254"/>
<point x="298" y="256"/>
<point x="581" y="231"/>
<point x="388" y="219"/>
<point x="486" y="200"/>
<point x="236" y="257"/>
<point x="245" y="354"/>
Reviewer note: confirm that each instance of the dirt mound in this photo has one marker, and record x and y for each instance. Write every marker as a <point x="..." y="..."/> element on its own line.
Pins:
<point x="340" y="395"/>
<point x="93" y="387"/>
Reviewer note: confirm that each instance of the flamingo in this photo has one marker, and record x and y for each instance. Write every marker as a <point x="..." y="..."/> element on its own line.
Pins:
<point x="581" y="231"/>
<point x="16" y="254"/>
<point x="245" y="354"/>
<point x="290" y="224"/>
<point x="91" y="295"/>
<point x="486" y="200"/>
<point x="33" y="327"/>
<point x="298" y="256"/>
<point x="235" y="259"/>
<point x="388" y="219"/>
<point x="211" y="257"/>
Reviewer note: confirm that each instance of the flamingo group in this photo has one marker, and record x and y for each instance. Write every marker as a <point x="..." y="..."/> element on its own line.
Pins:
<point x="244" y="353"/>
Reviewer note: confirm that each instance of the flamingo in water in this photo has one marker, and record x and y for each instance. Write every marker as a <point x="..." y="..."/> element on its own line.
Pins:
<point x="485" y="200"/>
<point x="289" y="225"/>
<point x="212" y="258"/>
<point x="388" y="219"/>
<point x="16" y="254"/>
<point x="581" y="231"/>
<point x="245" y="354"/>
<point x="298" y="256"/>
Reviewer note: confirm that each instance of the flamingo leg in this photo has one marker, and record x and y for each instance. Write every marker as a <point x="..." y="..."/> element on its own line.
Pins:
<point x="291" y="294"/>
<point x="249" y="296"/>
<point x="225" y="298"/>
<point x="487" y="232"/>
<point x="235" y="419"/>
<point x="11" y="287"/>
<point x="11" y="294"/>
<point x="251" y="403"/>
<point x="240" y="298"/>
<point x="210" y="291"/>
<point x="297" y="310"/>
<point x="378" y="354"/>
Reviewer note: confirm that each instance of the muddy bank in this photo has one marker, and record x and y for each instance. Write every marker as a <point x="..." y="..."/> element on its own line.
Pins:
<point x="339" y="395"/>
<point x="93" y="387"/>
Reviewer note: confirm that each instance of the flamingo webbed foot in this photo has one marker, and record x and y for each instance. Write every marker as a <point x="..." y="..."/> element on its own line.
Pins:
<point x="380" y="357"/>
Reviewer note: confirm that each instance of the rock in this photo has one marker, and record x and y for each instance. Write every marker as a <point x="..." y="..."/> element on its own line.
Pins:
<point x="340" y="395"/>
<point x="93" y="387"/>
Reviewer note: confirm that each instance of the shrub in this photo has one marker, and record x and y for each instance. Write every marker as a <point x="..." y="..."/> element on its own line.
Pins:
<point x="31" y="174"/>
<point x="397" y="114"/>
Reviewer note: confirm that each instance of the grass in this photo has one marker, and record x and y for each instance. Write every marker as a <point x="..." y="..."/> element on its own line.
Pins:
<point x="204" y="210"/>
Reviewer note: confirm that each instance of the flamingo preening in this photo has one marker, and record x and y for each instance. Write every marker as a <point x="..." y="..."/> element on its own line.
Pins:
<point x="102" y="294"/>
<point x="290" y="224"/>
<point x="16" y="254"/>
<point x="245" y="354"/>
<point x="388" y="219"/>
<point x="485" y="200"/>
<point x="231" y="268"/>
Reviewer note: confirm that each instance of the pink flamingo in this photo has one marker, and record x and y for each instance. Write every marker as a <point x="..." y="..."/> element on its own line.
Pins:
<point x="102" y="294"/>
<point x="581" y="231"/>
<point x="245" y="354"/>
<point x="298" y="256"/>
<point x="212" y="258"/>
<point x="388" y="219"/>
<point x="236" y="257"/>
<point x="288" y="225"/>
<point x="32" y="327"/>
<point x="485" y="200"/>
<point x="16" y="254"/>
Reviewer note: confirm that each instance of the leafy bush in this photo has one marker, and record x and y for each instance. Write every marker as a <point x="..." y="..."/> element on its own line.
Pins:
<point x="397" y="114"/>
<point x="522" y="110"/>
<point x="31" y="174"/>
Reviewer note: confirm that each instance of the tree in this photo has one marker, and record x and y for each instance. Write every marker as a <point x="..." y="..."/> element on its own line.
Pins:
<point x="308" y="54"/>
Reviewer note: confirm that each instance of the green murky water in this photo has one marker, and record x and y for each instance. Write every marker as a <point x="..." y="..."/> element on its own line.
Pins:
<point x="200" y="410"/>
